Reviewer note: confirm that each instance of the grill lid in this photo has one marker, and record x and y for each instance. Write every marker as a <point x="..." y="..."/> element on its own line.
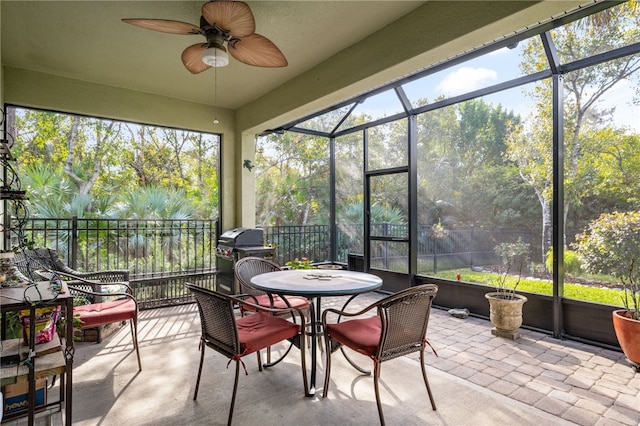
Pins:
<point x="241" y="237"/>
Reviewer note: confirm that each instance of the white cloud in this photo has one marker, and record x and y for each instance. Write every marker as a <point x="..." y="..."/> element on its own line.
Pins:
<point x="466" y="79"/>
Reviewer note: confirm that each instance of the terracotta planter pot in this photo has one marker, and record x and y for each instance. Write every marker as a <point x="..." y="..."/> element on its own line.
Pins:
<point x="628" y="334"/>
<point x="505" y="313"/>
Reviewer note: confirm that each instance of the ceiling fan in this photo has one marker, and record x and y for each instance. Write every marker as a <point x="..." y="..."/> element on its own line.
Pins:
<point x="222" y="22"/>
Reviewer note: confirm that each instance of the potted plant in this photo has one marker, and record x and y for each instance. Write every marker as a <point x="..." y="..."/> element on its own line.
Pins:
<point x="305" y="263"/>
<point x="505" y="305"/>
<point x="626" y="322"/>
<point x="611" y="245"/>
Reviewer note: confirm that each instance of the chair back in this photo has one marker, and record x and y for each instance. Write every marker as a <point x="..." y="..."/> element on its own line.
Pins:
<point x="404" y="317"/>
<point x="29" y="260"/>
<point x="217" y="319"/>
<point x="247" y="268"/>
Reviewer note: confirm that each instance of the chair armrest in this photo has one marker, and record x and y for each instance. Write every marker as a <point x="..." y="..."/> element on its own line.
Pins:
<point x="50" y="275"/>
<point x="345" y="314"/>
<point x="109" y="275"/>
<point x="258" y="308"/>
<point x="246" y="296"/>
<point x="98" y="293"/>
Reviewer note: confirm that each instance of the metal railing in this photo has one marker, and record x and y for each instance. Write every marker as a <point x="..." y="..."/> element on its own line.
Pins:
<point x="161" y="255"/>
<point x="452" y="248"/>
<point x="298" y="241"/>
<point x="145" y="247"/>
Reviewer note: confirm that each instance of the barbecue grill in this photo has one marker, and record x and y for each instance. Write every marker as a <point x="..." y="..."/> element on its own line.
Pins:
<point x="233" y="245"/>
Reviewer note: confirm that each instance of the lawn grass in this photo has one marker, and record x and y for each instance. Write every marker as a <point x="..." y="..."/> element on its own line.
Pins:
<point x="571" y="291"/>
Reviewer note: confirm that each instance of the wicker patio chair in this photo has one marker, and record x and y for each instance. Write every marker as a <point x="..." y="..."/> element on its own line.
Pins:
<point x="30" y="260"/>
<point x="399" y="328"/>
<point x="247" y="268"/>
<point x="44" y="263"/>
<point x="122" y="306"/>
<point x="235" y="338"/>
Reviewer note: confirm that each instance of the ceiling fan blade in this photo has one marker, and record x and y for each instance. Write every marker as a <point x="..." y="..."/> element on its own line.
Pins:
<point x="232" y="16"/>
<point x="258" y="51"/>
<point x="192" y="58"/>
<point x="165" y="26"/>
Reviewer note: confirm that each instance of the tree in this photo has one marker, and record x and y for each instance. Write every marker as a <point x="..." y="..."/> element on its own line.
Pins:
<point x="292" y="175"/>
<point x="463" y="176"/>
<point x="530" y="148"/>
<point x="85" y="155"/>
<point x="82" y="166"/>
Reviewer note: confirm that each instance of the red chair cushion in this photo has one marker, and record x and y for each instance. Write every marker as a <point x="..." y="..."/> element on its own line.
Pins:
<point x="263" y="300"/>
<point x="361" y="335"/>
<point x="259" y="331"/>
<point x="105" y="313"/>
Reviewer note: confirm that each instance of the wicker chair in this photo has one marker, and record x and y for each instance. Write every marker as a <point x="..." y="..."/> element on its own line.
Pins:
<point x="30" y="260"/>
<point x="247" y="268"/>
<point x="399" y="328"/>
<point x="87" y="287"/>
<point x="235" y="338"/>
<point x="122" y="306"/>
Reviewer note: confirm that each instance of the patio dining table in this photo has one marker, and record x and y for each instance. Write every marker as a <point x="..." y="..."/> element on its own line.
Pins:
<point x="315" y="284"/>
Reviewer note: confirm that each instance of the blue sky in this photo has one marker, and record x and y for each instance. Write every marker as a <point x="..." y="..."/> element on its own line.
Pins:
<point x="487" y="70"/>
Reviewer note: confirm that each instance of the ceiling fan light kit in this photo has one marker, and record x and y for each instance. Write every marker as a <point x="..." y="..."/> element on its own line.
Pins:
<point x="215" y="56"/>
<point x="222" y="22"/>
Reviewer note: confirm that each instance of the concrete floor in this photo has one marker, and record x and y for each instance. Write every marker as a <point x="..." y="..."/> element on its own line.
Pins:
<point x="108" y="390"/>
<point x="477" y="379"/>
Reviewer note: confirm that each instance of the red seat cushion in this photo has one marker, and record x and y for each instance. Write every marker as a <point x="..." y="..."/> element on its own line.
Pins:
<point x="260" y="330"/>
<point x="361" y="335"/>
<point x="278" y="302"/>
<point x="105" y="313"/>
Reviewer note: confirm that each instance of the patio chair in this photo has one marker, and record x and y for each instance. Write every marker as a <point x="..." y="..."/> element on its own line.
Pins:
<point x="398" y="329"/>
<point x="30" y="260"/>
<point x="122" y="306"/>
<point x="247" y="268"/>
<point x="235" y="338"/>
<point x="43" y="263"/>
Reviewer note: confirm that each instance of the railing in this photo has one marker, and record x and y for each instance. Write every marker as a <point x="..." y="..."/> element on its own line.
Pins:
<point x="299" y="241"/>
<point x="163" y="254"/>
<point x="452" y="248"/>
<point x="146" y="248"/>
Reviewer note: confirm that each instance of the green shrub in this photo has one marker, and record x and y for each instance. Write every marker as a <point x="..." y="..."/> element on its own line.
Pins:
<point x="611" y="245"/>
<point x="572" y="262"/>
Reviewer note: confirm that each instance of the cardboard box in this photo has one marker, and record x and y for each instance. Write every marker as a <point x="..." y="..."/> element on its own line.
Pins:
<point x="15" y="396"/>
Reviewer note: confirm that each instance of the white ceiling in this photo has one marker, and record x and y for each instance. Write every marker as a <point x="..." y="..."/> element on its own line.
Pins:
<point x="86" y="40"/>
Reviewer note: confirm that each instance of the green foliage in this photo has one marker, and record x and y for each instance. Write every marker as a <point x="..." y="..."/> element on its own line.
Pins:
<point x="292" y="179"/>
<point x="612" y="245"/>
<point x="572" y="263"/>
<point x="584" y="113"/>
<point x="354" y="213"/>
<point x="513" y="255"/>
<point x="14" y="327"/>
<point x="89" y="167"/>
<point x="303" y="263"/>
